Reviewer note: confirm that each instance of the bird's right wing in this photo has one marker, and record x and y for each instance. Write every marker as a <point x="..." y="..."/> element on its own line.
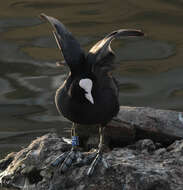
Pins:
<point x="69" y="46"/>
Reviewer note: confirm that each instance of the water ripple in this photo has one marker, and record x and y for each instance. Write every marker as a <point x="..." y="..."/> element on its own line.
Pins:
<point x="8" y="23"/>
<point x="53" y="5"/>
<point x="144" y="49"/>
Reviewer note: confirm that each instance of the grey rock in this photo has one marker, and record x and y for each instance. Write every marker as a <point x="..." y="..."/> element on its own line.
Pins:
<point x="137" y="167"/>
<point x="146" y="153"/>
<point x="160" y="151"/>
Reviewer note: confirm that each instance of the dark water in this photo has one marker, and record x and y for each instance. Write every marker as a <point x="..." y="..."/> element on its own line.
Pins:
<point x="150" y="70"/>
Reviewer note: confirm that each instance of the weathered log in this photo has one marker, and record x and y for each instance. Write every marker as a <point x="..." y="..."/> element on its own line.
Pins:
<point x="154" y="123"/>
<point x="134" y="123"/>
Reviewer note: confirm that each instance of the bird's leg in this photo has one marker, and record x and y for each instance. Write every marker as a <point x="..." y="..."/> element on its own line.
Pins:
<point x="67" y="158"/>
<point x="99" y="156"/>
<point x="72" y="155"/>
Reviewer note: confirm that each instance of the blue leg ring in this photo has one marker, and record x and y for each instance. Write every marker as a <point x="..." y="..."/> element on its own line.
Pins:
<point x="75" y="141"/>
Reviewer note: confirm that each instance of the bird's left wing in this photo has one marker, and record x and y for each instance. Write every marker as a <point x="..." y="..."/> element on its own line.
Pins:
<point x="101" y="53"/>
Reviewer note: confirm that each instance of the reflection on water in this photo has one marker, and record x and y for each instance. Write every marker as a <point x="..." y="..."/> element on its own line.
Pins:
<point x="149" y="69"/>
<point x="144" y="49"/>
<point x="53" y="5"/>
<point x="8" y="23"/>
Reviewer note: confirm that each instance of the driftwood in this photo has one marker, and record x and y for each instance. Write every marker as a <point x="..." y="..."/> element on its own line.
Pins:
<point x="154" y="162"/>
<point x="134" y="123"/>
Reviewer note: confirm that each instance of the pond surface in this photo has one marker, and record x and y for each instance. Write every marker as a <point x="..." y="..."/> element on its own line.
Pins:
<point x="150" y="69"/>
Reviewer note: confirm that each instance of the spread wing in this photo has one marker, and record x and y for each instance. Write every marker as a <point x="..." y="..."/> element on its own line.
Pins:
<point x="101" y="55"/>
<point x="69" y="46"/>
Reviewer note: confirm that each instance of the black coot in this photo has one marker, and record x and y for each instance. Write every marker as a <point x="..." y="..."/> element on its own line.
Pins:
<point x="89" y="95"/>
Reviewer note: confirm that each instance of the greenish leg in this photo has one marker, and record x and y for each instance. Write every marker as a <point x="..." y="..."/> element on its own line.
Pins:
<point x="99" y="156"/>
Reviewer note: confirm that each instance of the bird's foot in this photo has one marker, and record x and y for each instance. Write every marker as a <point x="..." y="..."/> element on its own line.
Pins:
<point x="93" y="159"/>
<point x="98" y="158"/>
<point x="76" y="158"/>
<point x="65" y="160"/>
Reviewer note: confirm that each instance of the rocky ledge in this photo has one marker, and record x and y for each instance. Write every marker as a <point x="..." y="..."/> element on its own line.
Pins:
<point x="138" y="163"/>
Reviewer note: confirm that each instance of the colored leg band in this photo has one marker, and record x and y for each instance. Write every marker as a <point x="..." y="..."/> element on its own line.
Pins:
<point x="75" y="141"/>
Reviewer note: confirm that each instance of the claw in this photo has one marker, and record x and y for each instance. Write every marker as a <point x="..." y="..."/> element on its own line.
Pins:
<point x="86" y="160"/>
<point x="89" y="158"/>
<point x="105" y="163"/>
<point x="59" y="159"/>
<point x="68" y="161"/>
<point x="78" y="157"/>
<point x="94" y="164"/>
